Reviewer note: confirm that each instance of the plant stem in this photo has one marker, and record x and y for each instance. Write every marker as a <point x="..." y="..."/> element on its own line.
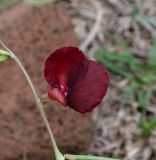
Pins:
<point x="39" y="104"/>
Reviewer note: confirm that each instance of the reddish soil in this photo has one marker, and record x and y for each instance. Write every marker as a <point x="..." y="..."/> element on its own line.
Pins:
<point x="33" y="32"/>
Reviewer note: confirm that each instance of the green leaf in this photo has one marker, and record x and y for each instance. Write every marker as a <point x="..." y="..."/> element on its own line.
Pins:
<point x="39" y="2"/>
<point x="82" y="157"/>
<point x="6" y="3"/>
<point x="87" y="157"/>
<point x="4" y="55"/>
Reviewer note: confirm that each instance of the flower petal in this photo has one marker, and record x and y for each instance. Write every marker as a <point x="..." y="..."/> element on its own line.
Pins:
<point x="59" y="63"/>
<point x="87" y="82"/>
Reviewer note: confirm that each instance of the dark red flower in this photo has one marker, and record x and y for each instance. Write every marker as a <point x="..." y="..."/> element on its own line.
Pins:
<point x="74" y="80"/>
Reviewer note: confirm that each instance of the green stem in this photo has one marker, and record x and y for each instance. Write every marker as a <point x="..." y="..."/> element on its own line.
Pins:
<point x="39" y="104"/>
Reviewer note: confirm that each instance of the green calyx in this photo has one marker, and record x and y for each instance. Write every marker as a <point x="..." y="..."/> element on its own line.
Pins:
<point x="4" y="55"/>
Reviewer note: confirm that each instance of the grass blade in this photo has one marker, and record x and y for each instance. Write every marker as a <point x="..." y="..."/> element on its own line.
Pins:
<point x="39" y="2"/>
<point x="113" y="67"/>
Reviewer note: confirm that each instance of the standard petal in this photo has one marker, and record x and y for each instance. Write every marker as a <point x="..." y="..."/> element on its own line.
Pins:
<point x="59" y="63"/>
<point x="87" y="82"/>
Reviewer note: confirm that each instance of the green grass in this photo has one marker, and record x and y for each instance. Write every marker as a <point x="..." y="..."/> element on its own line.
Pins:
<point x="39" y="2"/>
<point x="140" y="73"/>
<point x="6" y="3"/>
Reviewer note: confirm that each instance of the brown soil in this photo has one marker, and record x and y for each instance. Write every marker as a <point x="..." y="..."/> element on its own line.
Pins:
<point x="33" y="32"/>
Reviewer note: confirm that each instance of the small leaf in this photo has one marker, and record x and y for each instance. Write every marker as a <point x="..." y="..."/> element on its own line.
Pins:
<point x="39" y="2"/>
<point x="4" y="55"/>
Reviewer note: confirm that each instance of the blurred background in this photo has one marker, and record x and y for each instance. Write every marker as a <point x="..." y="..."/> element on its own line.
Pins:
<point x="121" y="35"/>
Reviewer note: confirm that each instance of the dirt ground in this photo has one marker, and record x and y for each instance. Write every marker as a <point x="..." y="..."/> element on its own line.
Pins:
<point x="32" y="33"/>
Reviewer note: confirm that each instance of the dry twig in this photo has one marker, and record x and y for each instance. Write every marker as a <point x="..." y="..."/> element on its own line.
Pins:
<point x="92" y="34"/>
